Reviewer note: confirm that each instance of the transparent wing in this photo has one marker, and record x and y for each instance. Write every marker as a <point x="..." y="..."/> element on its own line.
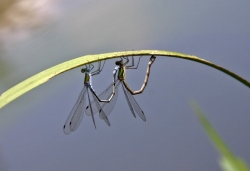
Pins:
<point x="101" y="112"/>
<point x="75" y="117"/>
<point x="129" y="103"/>
<point x="106" y="107"/>
<point x="132" y="102"/>
<point x="93" y="119"/>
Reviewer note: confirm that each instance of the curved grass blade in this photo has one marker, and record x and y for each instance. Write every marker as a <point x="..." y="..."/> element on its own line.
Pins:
<point x="46" y="75"/>
<point x="75" y="117"/>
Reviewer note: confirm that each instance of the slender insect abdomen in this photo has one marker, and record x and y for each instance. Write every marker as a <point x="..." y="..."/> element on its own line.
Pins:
<point x="151" y="61"/>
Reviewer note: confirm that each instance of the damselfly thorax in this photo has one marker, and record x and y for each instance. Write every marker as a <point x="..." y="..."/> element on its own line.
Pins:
<point x="87" y="78"/>
<point x="121" y="73"/>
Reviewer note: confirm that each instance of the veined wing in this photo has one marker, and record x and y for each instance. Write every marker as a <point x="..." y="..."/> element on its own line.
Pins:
<point x="102" y="114"/>
<point x="93" y="119"/>
<point x="107" y="107"/>
<point x="75" y="117"/>
<point x="132" y="102"/>
<point x="129" y="104"/>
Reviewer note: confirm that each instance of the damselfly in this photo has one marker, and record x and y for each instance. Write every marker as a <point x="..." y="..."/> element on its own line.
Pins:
<point x="121" y="75"/>
<point x="76" y="114"/>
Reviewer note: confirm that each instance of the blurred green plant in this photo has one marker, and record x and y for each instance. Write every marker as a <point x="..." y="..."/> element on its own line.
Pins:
<point x="46" y="75"/>
<point x="228" y="161"/>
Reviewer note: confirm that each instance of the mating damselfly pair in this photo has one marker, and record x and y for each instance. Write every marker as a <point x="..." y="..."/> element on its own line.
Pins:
<point x="109" y="95"/>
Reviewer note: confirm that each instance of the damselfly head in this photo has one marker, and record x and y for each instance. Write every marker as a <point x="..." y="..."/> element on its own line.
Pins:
<point x="83" y="70"/>
<point x="152" y="58"/>
<point x="119" y="62"/>
<point x="88" y="69"/>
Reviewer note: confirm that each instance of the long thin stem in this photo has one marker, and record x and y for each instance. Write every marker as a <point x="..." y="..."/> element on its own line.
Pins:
<point x="46" y="75"/>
